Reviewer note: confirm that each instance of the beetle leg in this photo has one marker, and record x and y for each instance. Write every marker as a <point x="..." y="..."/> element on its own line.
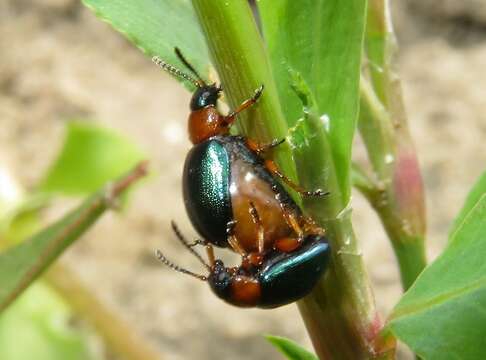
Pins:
<point x="235" y="245"/>
<point x="262" y="148"/>
<point x="291" y="218"/>
<point x="210" y="253"/>
<point x="244" y="105"/>
<point x="233" y="240"/>
<point x="260" y="230"/>
<point x="273" y="168"/>
<point x="311" y="227"/>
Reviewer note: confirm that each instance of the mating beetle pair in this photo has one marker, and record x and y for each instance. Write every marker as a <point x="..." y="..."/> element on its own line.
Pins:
<point x="234" y="200"/>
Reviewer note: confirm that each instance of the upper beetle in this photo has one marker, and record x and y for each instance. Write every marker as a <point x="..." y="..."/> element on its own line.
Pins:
<point x="231" y="193"/>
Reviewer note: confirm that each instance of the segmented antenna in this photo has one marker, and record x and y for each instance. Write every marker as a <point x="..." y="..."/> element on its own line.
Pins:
<point x="173" y="266"/>
<point x="186" y="244"/>
<point x="188" y="65"/>
<point x="175" y="71"/>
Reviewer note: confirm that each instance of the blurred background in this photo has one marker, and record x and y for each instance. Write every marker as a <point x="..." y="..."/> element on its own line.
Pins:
<point x="58" y="62"/>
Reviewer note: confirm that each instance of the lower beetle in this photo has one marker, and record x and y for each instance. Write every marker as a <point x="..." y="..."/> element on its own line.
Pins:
<point x="281" y="279"/>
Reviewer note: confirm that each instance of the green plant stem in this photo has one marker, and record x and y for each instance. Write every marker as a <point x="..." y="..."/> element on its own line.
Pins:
<point x="22" y="264"/>
<point x="239" y="56"/>
<point x="383" y="112"/>
<point x="398" y="196"/>
<point x="409" y="249"/>
<point x="119" y="337"/>
<point x="339" y="314"/>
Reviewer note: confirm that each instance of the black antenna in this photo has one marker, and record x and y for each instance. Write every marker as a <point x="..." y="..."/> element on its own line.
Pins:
<point x="186" y="244"/>
<point x="175" y="71"/>
<point x="173" y="266"/>
<point x="189" y="66"/>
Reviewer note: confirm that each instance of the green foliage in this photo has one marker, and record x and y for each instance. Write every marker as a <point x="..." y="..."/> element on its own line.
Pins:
<point x="240" y="58"/>
<point x="322" y="41"/>
<point x="20" y="223"/>
<point x="39" y="323"/>
<point x="442" y="315"/>
<point x="22" y="264"/>
<point x="315" y="48"/>
<point x="90" y="157"/>
<point x="156" y="27"/>
<point x="290" y="349"/>
<point x="478" y="190"/>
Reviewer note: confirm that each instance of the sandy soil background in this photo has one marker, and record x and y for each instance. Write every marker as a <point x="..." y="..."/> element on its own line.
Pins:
<point x="59" y="62"/>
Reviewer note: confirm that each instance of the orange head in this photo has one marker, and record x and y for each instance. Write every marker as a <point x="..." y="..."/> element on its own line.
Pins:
<point x="205" y="120"/>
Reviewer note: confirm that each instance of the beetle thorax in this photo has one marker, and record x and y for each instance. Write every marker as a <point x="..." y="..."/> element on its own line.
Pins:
<point x="205" y="123"/>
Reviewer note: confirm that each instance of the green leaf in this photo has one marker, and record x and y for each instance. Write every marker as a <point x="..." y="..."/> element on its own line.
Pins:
<point x="290" y="349"/>
<point x="38" y="326"/>
<point x="22" y="264"/>
<point x="18" y="211"/>
<point x="90" y="157"/>
<point x="156" y="27"/>
<point x="20" y="226"/>
<point x="321" y="40"/>
<point x="443" y="314"/>
<point x="478" y="190"/>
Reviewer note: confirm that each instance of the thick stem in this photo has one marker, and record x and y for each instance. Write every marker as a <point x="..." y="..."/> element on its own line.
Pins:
<point x="340" y="314"/>
<point x="238" y="53"/>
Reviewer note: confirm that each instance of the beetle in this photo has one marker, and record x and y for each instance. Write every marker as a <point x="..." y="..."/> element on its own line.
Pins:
<point x="281" y="278"/>
<point x="234" y="200"/>
<point x="231" y="192"/>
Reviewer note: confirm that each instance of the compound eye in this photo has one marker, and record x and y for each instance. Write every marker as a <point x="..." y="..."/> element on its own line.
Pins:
<point x="218" y="263"/>
<point x="203" y="97"/>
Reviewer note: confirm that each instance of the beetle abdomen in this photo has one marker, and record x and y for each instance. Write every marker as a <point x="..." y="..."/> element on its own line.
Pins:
<point x="290" y="276"/>
<point x="206" y="181"/>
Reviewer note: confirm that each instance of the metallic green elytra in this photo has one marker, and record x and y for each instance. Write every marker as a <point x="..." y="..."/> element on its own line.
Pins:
<point x="206" y="190"/>
<point x="208" y="184"/>
<point x="286" y="278"/>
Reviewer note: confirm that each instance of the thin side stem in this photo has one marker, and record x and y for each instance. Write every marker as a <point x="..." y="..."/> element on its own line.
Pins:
<point x="119" y="337"/>
<point x="399" y="200"/>
<point x="54" y="239"/>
